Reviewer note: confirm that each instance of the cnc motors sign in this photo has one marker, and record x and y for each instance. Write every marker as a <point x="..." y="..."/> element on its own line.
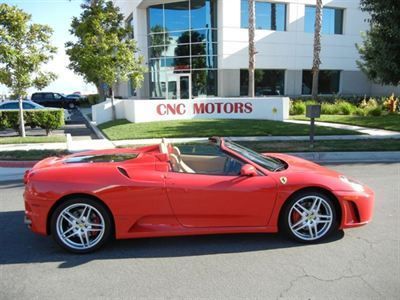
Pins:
<point x="137" y="111"/>
<point x="204" y="108"/>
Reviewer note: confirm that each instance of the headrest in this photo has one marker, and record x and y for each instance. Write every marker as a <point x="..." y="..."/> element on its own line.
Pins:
<point x="176" y="151"/>
<point x="163" y="148"/>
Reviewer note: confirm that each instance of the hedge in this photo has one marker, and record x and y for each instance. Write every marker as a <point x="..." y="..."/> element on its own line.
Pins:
<point x="47" y="119"/>
<point x="340" y="106"/>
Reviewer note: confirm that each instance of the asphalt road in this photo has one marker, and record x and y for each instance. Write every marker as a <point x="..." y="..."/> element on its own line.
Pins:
<point x="362" y="263"/>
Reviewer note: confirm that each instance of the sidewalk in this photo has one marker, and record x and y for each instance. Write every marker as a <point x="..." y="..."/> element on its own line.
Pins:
<point x="362" y="130"/>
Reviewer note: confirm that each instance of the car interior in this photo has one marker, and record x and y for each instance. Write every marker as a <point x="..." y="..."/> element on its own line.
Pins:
<point x="196" y="163"/>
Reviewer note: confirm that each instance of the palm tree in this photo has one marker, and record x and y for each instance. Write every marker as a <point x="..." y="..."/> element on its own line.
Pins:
<point x="252" y="48"/>
<point x="317" y="48"/>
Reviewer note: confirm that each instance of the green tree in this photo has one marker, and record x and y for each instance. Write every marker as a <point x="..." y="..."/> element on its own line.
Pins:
<point x="24" y="48"/>
<point x="103" y="52"/>
<point x="380" y="51"/>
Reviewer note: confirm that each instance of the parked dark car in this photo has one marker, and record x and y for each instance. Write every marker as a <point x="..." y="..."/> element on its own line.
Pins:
<point x="54" y="100"/>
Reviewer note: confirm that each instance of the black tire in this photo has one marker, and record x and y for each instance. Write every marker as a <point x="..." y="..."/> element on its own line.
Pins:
<point x="81" y="232"/>
<point x="311" y="226"/>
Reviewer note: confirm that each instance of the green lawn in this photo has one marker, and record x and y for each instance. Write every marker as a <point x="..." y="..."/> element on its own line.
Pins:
<point x="124" y="130"/>
<point x="388" y="122"/>
<point x="33" y="139"/>
<point x="326" y="146"/>
<point x="30" y="155"/>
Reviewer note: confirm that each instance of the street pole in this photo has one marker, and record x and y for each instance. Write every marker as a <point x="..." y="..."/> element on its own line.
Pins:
<point x="312" y="133"/>
<point x="21" y="118"/>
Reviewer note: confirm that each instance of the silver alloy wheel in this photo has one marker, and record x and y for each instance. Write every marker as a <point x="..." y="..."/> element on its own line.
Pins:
<point x="310" y="218"/>
<point x="80" y="226"/>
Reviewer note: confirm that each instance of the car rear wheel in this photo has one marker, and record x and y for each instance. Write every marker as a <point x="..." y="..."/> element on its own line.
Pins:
<point x="81" y="225"/>
<point x="309" y="217"/>
<point x="71" y="105"/>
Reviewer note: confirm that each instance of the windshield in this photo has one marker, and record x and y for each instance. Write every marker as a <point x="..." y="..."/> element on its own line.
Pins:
<point x="267" y="162"/>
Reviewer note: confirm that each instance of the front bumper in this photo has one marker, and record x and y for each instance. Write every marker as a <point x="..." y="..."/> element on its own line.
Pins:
<point x="357" y="207"/>
<point x="35" y="214"/>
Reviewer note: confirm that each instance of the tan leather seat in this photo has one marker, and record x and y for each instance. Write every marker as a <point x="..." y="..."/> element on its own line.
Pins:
<point x="182" y="164"/>
<point x="178" y="165"/>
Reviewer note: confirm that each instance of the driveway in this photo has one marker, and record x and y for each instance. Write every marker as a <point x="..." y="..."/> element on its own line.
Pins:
<point x="362" y="263"/>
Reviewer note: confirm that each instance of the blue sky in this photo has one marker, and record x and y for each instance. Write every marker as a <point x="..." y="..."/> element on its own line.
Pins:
<point x="58" y="15"/>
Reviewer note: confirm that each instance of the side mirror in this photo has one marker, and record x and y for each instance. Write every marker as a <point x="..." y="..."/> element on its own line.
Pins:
<point x="248" y="170"/>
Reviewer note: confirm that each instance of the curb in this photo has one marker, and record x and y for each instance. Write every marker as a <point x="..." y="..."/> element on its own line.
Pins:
<point x="18" y="164"/>
<point x="92" y="125"/>
<point x="350" y="157"/>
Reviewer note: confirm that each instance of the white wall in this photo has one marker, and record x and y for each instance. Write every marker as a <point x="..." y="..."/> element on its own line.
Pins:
<point x="291" y="49"/>
<point x="138" y="111"/>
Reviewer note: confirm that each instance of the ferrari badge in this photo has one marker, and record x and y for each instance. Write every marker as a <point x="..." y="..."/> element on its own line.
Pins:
<point x="283" y="180"/>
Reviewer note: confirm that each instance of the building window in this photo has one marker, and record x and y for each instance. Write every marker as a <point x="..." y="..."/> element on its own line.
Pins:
<point x="332" y="20"/>
<point x="129" y="24"/>
<point x="183" y="40"/>
<point x="267" y="82"/>
<point x="328" y="82"/>
<point x="270" y="16"/>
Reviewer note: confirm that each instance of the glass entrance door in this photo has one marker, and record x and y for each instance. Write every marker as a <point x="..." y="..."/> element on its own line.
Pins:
<point x="179" y="86"/>
<point x="184" y="87"/>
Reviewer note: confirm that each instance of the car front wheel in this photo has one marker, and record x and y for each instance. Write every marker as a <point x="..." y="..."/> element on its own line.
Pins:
<point x="81" y="225"/>
<point x="309" y="217"/>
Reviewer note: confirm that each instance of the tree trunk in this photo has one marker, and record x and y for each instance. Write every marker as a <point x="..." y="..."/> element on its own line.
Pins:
<point x="21" y="118"/>
<point x="252" y="48"/>
<point x="100" y="91"/>
<point x="114" y="113"/>
<point x="317" y="49"/>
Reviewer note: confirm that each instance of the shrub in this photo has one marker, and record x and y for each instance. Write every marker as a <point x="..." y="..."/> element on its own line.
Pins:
<point x="391" y="103"/>
<point x="93" y="99"/>
<point x="369" y="104"/>
<point x="360" y="111"/>
<point x="375" y="112"/>
<point x="344" y="107"/>
<point x="329" y="109"/>
<point x="48" y="119"/>
<point x="297" y="108"/>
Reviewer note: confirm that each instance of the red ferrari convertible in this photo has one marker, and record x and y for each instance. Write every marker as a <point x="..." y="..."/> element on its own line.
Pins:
<point x="84" y="199"/>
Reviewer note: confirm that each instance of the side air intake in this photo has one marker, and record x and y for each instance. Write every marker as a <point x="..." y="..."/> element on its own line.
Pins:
<point x="123" y="172"/>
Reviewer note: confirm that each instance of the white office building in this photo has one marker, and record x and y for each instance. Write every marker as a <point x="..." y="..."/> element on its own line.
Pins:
<point x="199" y="48"/>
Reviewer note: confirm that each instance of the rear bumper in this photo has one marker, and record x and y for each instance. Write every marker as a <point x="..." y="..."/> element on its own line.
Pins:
<point x="357" y="207"/>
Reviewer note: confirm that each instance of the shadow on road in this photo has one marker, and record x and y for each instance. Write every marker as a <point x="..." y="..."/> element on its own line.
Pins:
<point x="19" y="245"/>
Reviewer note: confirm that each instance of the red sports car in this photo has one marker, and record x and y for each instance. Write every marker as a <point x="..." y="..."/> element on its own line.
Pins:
<point x="84" y="199"/>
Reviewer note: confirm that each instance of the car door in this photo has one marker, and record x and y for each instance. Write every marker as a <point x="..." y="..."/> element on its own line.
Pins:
<point x="219" y="200"/>
<point x="48" y="99"/>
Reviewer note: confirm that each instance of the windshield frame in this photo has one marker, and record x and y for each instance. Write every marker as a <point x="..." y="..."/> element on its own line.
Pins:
<point x="262" y="161"/>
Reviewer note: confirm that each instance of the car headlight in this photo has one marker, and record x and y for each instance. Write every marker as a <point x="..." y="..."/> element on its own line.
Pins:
<point x="358" y="187"/>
